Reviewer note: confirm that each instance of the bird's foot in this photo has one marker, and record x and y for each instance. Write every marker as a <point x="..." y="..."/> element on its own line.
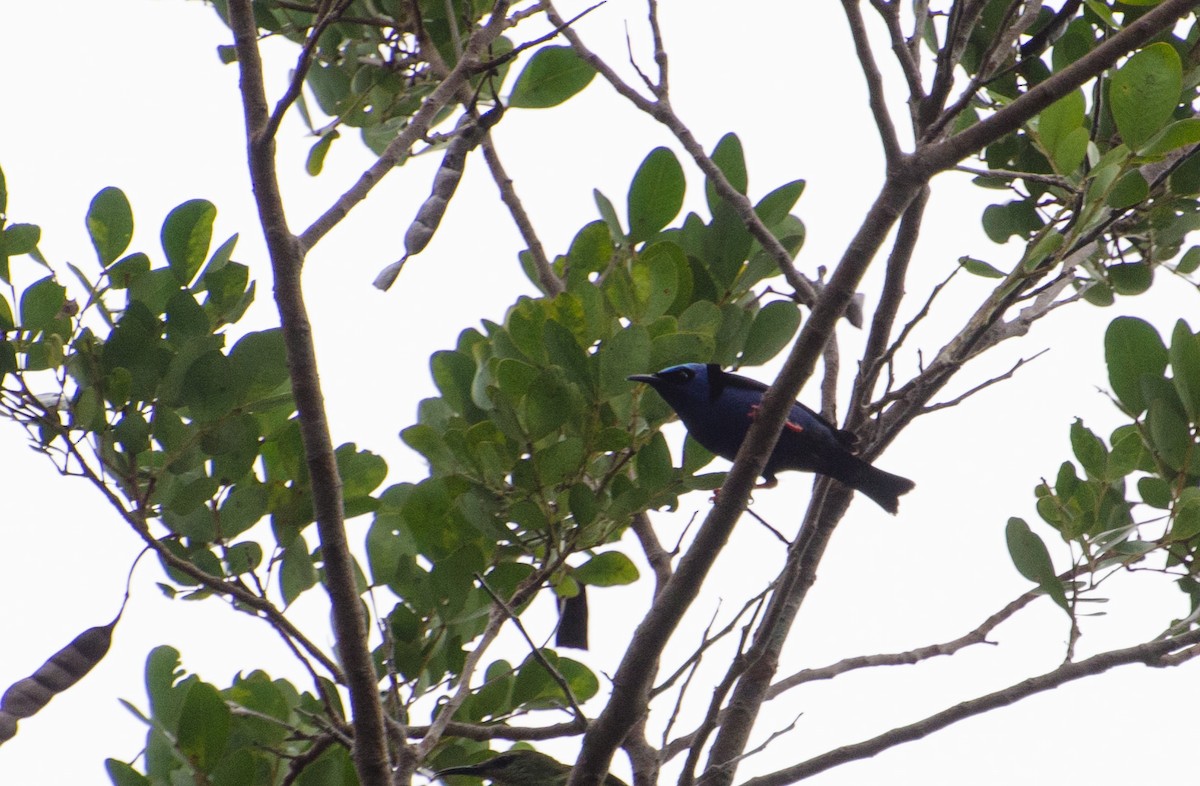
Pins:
<point x="796" y="427"/>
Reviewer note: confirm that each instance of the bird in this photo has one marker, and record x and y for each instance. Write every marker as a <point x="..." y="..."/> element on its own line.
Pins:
<point x="522" y="767"/>
<point x="717" y="407"/>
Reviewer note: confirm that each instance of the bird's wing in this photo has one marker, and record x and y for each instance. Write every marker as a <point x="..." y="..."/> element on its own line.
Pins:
<point x="720" y="380"/>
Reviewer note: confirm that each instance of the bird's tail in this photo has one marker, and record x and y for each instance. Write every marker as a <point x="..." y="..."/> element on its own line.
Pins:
<point x="883" y="487"/>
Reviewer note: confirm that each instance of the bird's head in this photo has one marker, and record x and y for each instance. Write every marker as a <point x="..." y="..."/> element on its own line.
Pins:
<point x="684" y="386"/>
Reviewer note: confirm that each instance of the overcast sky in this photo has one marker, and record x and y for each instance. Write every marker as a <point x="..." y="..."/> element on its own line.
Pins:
<point x="132" y="94"/>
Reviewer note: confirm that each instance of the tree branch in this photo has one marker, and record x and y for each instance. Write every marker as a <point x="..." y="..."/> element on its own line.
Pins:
<point x="875" y="92"/>
<point x="287" y="256"/>
<point x="417" y="126"/>
<point x="1157" y="653"/>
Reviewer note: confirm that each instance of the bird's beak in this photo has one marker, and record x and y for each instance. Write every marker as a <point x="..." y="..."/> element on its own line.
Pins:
<point x="647" y="378"/>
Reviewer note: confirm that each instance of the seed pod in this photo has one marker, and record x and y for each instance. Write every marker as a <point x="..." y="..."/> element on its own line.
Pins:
<point x="63" y="669"/>
<point x="445" y="182"/>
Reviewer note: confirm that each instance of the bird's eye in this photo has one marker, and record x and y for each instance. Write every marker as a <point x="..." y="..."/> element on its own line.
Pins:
<point x="680" y="375"/>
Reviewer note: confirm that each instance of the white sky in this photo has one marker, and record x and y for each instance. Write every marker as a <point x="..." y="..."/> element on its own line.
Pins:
<point x="132" y="94"/>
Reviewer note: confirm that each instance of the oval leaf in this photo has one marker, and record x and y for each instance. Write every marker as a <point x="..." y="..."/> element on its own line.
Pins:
<point x="1132" y="350"/>
<point x="186" y="235"/>
<point x="553" y="74"/>
<point x="1144" y="92"/>
<point x="110" y="223"/>
<point x="610" y="569"/>
<point x="772" y="329"/>
<point x="656" y="194"/>
<point x="203" y="726"/>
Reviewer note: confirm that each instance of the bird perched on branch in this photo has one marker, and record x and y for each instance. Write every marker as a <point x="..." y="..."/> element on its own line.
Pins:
<point x="522" y="768"/>
<point x="718" y="407"/>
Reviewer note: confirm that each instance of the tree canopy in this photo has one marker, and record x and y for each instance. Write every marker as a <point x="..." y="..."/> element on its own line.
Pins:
<point x="548" y="472"/>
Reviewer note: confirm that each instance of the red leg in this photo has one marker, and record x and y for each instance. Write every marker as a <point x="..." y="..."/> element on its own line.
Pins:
<point x="796" y="427"/>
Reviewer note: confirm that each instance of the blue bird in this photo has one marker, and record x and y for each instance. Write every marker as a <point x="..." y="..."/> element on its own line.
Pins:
<point x="717" y="407"/>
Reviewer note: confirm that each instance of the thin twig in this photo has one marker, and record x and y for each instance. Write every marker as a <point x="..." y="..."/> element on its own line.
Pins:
<point x="536" y="651"/>
<point x="1156" y="654"/>
<point x="550" y="283"/>
<point x="876" y="96"/>
<point x="303" y="63"/>
<point x="954" y="402"/>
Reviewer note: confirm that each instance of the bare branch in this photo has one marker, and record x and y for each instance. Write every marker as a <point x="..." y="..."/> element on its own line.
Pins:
<point x="905" y="55"/>
<point x="325" y="17"/>
<point x="1157" y="653"/>
<point x="658" y="557"/>
<point x="875" y="91"/>
<point x="551" y="284"/>
<point x="954" y="402"/>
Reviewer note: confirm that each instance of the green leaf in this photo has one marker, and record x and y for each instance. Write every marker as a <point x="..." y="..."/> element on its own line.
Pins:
<point x="1132" y="350"/>
<point x="21" y="239"/>
<point x="731" y="160"/>
<point x="655" y="277"/>
<point x="453" y="373"/>
<point x="553" y="74"/>
<point x="1185" y="368"/>
<point x="1186" y="515"/>
<point x="1089" y="449"/>
<point x="1144" y="91"/>
<point x="1155" y="492"/>
<point x="1019" y="218"/>
<point x="1189" y="262"/>
<point x="243" y="508"/>
<point x="656" y="194"/>
<point x="583" y="504"/>
<point x="204" y="722"/>
<point x="1057" y="125"/>
<point x="110" y="223"/>
<point x="121" y="774"/>
<point x="1130" y="278"/>
<point x="772" y="329"/>
<point x="296" y="573"/>
<point x="186" y="235"/>
<point x="1130" y="190"/>
<point x="609" y="569"/>
<point x="609" y="214"/>
<point x="560" y="461"/>
<point x="977" y="267"/>
<point x="1179" y="134"/>
<point x="774" y="207"/>
<point x="361" y="471"/>
<point x="626" y="353"/>
<point x="1032" y="560"/>
<point x="133" y="432"/>
<point x="1170" y="434"/>
<point x="673" y="348"/>
<point x="316" y="154"/>
<point x="1071" y="151"/>
<point x="243" y="557"/>
<point x="185" y="318"/>
<point x="1125" y="456"/>
<point x="210" y="389"/>
<point x="653" y="463"/>
<point x="41" y="303"/>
